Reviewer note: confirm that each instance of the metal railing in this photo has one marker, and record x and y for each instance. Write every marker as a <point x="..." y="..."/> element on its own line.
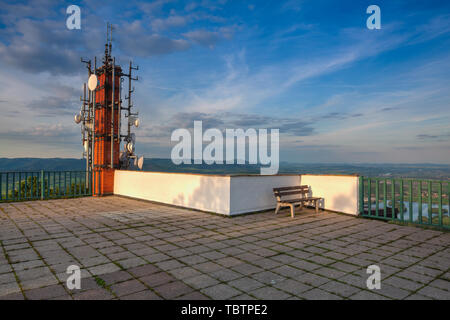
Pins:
<point x="418" y="201"/>
<point x="40" y="185"/>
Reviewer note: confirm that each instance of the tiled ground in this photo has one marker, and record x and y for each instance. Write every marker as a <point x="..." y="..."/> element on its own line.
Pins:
<point x="130" y="249"/>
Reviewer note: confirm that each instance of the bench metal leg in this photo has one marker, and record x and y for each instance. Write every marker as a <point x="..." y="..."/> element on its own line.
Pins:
<point x="317" y="206"/>
<point x="292" y="210"/>
<point x="277" y="208"/>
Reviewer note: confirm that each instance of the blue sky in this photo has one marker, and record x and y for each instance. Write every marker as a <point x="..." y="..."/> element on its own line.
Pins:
<point x="337" y="91"/>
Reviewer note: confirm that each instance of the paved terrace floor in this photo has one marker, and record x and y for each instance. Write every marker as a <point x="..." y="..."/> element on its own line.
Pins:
<point x="131" y="249"/>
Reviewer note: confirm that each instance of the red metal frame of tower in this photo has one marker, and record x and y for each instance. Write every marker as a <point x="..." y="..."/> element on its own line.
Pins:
<point x="101" y="122"/>
<point x="107" y="117"/>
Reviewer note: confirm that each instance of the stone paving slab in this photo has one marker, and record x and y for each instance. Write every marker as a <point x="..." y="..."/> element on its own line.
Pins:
<point x="130" y="249"/>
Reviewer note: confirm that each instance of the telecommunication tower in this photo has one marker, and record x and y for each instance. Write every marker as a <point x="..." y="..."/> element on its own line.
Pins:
<point x="100" y="117"/>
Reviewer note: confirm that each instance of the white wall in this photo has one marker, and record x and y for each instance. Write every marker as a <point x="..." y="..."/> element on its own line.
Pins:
<point x="234" y="194"/>
<point x="202" y="192"/>
<point x="255" y="193"/>
<point x="340" y="192"/>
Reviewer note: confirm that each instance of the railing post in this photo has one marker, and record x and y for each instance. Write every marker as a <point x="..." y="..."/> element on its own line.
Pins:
<point x="448" y="203"/>
<point x="393" y="199"/>
<point x="42" y="184"/>
<point x="420" y="201"/>
<point x="20" y="186"/>
<point x="385" y="198"/>
<point x="402" y="204"/>
<point x="87" y="182"/>
<point x="361" y="195"/>
<point x="377" y="196"/>
<point x="410" y="207"/>
<point x="440" y="203"/>
<point x="7" y="185"/>
<point x="369" y="196"/>
<point x="13" y="191"/>
<point x="430" y="203"/>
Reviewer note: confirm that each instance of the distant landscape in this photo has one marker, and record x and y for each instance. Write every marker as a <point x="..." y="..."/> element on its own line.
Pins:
<point x="423" y="171"/>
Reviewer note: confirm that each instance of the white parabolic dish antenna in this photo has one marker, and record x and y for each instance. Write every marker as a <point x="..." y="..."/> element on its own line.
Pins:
<point x="77" y="118"/>
<point x="130" y="147"/>
<point x="140" y="162"/>
<point x="92" y="82"/>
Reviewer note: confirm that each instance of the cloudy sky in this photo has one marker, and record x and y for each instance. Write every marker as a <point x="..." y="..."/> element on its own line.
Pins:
<point x="337" y="91"/>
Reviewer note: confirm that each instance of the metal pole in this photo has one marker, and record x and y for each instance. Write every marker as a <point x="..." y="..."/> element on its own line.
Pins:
<point x="42" y="184"/>
<point x="119" y="111"/>
<point x="129" y="102"/>
<point x="89" y="134"/>
<point x="361" y="195"/>
<point x="93" y="123"/>
<point x="85" y="134"/>
<point x="83" y="113"/>
<point x="112" y="112"/>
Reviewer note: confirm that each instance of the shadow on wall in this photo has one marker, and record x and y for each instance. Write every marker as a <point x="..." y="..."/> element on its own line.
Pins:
<point x="212" y="194"/>
<point x="321" y="201"/>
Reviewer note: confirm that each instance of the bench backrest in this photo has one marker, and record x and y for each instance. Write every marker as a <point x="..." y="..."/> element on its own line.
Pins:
<point x="289" y="191"/>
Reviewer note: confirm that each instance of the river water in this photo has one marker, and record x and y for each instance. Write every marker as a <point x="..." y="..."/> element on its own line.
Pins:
<point x="415" y="209"/>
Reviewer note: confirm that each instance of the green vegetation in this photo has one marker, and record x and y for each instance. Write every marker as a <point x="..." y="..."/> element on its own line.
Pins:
<point x="435" y="220"/>
<point x="436" y="210"/>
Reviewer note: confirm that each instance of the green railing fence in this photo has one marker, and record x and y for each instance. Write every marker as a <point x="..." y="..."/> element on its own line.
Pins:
<point x="39" y="185"/>
<point x="419" y="201"/>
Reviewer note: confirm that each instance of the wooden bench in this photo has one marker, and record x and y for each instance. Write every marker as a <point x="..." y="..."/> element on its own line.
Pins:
<point x="303" y="198"/>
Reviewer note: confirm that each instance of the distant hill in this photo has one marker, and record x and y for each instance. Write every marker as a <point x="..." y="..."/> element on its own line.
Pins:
<point x="36" y="164"/>
<point x="424" y="171"/>
<point x="150" y="164"/>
